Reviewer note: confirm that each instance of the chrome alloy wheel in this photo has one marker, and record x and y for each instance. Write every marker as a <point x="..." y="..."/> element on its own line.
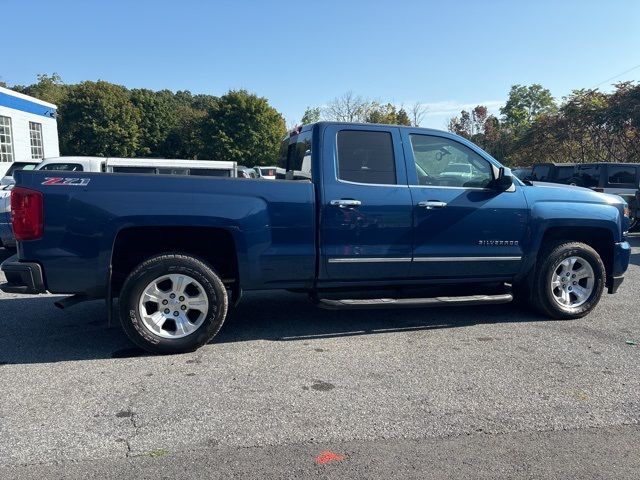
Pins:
<point x="173" y="306"/>
<point x="572" y="282"/>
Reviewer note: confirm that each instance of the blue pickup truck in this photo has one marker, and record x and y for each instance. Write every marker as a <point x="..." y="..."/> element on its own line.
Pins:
<point x="354" y="208"/>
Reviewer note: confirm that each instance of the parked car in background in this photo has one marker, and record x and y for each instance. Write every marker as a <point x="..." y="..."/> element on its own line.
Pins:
<point x="201" y="168"/>
<point x="458" y="170"/>
<point x="160" y="166"/>
<point x="553" y="172"/>
<point x="8" y="177"/>
<point x="617" y="178"/>
<point x="246" y="172"/>
<point x="7" y="239"/>
<point x="266" y="172"/>
<point x="523" y="173"/>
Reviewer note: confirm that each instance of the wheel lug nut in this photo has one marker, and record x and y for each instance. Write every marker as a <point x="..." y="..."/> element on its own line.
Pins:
<point x="183" y="307"/>
<point x="573" y="276"/>
<point x="164" y="302"/>
<point x="570" y="288"/>
<point x="181" y="299"/>
<point x="166" y="310"/>
<point x="173" y="295"/>
<point x="575" y="283"/>
<point x="176" y="313"/>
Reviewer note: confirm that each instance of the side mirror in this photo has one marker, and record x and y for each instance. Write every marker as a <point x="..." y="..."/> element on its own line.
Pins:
<point x="504" y="180"/>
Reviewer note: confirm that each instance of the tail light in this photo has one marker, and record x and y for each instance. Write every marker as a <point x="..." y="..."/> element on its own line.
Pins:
<point x="26" y="213"/>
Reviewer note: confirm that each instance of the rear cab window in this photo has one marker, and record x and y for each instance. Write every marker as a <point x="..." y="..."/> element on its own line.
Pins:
<point x="295" y="157"/>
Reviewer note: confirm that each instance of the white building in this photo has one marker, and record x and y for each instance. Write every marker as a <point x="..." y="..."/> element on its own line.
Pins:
<point x="28" y="129"/>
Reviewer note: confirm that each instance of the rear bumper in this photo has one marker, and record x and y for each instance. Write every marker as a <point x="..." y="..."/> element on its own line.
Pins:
<point x="22" y="277"/>
<point x="621" y="257"/>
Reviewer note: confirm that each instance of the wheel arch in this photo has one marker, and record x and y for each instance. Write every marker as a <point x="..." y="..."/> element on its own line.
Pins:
<point x="215" y="246"/>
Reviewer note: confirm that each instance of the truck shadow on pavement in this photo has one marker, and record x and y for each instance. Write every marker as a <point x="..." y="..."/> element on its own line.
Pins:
<point x="35" y="331"/>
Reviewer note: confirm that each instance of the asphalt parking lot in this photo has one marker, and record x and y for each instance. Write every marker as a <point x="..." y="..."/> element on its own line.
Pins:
<point x="487" y="392"/>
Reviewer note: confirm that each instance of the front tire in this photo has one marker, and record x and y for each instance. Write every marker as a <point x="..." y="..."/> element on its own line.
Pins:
<point x="172" y="304"/>
<point x="569" y="281"/>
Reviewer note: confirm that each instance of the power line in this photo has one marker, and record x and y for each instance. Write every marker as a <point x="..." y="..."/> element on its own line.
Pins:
<point x="616" y="76"/>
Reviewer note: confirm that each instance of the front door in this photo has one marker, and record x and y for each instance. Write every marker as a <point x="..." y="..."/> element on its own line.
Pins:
<point x="367" y="214"/>
<point x="463" y="228"/>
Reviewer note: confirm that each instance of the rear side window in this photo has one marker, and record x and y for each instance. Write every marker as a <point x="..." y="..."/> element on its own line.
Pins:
<point x="565" y="174"/>
<point x="540" y="173"/>
<point x="366" y="157"/>
<point x="623" y="176"/>
<point x="588" y="175"/>
<point x="209" y="172"/>
<point x="63" y="167"/>
<point x="134" y="169"/>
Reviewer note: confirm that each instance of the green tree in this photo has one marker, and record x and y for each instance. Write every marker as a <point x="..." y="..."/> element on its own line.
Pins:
<point x="49" y="88"/>
<point x="311" y="115"/>
<point x="525" y="103"/>
<point x="98" y="118"/>
<point x="157" y="118"/>
<point x="402" y="118"/>
<point x="243" y="127"/>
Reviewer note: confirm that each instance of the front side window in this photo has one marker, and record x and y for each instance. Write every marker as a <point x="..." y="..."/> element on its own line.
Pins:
<point x="366" y="157"/>
<point x="35" y="136"/>
<point x="443" y="162"/>
<point x="623" y="176"/>
<point x="6" y="140"/>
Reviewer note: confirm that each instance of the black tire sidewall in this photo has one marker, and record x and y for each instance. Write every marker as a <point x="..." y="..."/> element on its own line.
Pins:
<point x="156" y="267"/>
<point x="557" y="254"/>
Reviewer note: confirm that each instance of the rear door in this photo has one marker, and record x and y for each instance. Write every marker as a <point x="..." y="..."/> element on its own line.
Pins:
<point x="366" y="210"/>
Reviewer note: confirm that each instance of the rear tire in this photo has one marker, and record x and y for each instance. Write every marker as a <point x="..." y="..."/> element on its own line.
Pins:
<point x="172" y="304"/>
<point x="569" y="281"/>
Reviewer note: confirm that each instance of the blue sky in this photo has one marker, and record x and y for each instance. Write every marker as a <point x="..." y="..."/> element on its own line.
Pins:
<point x="447" y="55"/>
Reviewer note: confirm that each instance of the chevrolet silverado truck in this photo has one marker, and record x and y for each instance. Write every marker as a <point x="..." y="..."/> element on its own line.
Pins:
<point x="354" y="208"/>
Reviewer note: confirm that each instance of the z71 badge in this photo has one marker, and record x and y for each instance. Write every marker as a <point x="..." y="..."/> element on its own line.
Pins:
<point x="75" y="182"/>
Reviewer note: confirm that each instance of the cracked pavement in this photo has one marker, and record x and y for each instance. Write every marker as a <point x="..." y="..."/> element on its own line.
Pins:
<point x="488" y="392"/>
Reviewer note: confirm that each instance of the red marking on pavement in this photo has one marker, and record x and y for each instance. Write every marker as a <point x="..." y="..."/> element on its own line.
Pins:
<point x="328" y="456"/>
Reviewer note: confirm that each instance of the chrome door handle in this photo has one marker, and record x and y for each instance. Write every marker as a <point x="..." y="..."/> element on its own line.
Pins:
<point x="346" y="203"/>
<point x="431" y="204"/>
